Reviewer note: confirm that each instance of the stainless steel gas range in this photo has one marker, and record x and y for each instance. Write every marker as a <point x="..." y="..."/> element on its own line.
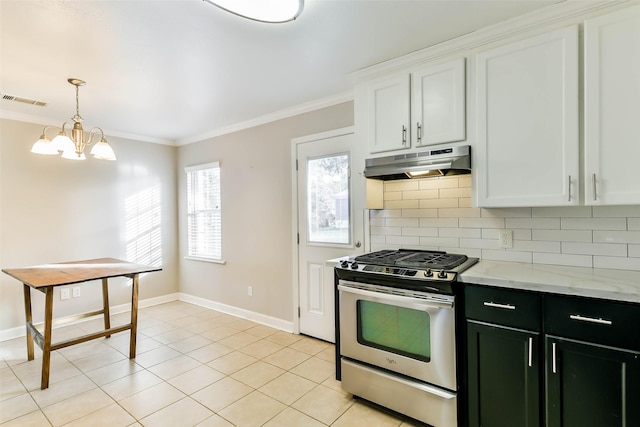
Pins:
<point x="395" y="331"/>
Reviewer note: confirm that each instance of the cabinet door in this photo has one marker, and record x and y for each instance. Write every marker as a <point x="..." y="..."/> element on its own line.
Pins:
<point x="389" y="115"/>
<point x="503" y="376"/>
<point x="527" y="122"/>
<point x="438" y="103"/>
<point x="611" y="95"/>
<point x="591" y="386"/>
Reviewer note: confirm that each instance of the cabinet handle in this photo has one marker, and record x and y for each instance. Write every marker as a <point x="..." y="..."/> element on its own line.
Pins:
<point x="569" y="188"/>
<point x="419" y="132"/>
<point x="530" y="351"/>
<point x="593" y="184"/>
<point x="599" y="321"/>
<point x="404" y="134"/>
<point x="553" y="358"/>
<point x="503" y="306"/>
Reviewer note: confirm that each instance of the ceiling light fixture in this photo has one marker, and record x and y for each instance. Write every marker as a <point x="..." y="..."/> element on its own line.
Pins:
<point x="271" y="11"/>
<point x="73" y="148"/>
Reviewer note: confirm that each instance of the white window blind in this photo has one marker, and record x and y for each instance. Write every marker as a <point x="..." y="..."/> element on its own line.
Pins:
<point x="204" y="218"/>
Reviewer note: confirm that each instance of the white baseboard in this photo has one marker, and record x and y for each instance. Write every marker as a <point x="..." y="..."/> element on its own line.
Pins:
<point x="20" y="331"/>
<point x="273" y="322"/>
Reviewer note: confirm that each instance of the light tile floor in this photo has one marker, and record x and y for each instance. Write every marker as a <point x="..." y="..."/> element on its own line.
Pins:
<point x="194" y="367"/>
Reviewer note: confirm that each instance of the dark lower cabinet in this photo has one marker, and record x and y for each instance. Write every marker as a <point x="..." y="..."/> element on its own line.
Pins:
<point x="591" y="385"/>
<point x="503" y="376"/>
<point x="587" y="375"/>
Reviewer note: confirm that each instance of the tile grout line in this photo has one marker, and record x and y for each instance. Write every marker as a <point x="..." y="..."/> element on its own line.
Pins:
<point x="294" y="343"/>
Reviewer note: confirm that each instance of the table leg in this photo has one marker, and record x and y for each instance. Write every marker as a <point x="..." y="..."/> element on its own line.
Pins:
<point x="105" y="304"/>
<point x="28" y="320"/>
<point x="134" y="317"/>
<point x="46" y="347"/>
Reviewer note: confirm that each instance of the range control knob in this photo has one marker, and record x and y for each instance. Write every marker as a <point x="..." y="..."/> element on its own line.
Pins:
<point x="428" y="273"/>
<point x="344" y="264"/>
<point x="354" y="265"/>
<point x="442" y="274"/>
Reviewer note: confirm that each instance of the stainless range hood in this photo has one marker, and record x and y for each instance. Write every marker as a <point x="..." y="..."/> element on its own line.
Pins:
<point x="435" y="162"/>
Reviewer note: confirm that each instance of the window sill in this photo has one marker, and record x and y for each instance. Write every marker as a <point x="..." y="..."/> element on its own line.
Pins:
<point x="213" y="261"/>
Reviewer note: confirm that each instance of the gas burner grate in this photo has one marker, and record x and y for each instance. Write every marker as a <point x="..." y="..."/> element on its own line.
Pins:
<point x="413" y="258"/>
<point x="383" y="257"/>
<point x="442" y="261"/>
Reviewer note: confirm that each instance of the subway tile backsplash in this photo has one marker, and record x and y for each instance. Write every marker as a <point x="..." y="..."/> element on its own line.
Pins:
<point x="436" y="214"/>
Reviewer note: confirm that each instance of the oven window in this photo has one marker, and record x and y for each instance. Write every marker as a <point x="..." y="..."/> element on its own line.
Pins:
<point x="399" y="330"/>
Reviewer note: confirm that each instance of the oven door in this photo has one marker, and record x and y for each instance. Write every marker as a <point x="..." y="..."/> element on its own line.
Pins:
<point x="403" y="331"/>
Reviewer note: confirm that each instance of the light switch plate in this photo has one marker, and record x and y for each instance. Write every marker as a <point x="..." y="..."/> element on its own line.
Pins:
<point x="65" y="293"/>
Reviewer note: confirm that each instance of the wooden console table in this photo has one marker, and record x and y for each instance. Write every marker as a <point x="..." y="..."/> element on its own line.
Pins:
<point x="45" y="278"/>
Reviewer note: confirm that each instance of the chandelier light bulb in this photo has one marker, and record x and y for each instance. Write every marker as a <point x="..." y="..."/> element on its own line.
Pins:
<point x="62" y="142"/>
<point x="44" y="146"/>
<point x="72" y="155"/>
<point x="103" y="151"/>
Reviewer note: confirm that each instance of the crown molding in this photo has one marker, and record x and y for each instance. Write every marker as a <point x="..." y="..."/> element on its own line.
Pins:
<point x="44" y="121"/>
<point x="566" y="12"/>
<point x="271" y="117"/>
<point x="267" y="118"/>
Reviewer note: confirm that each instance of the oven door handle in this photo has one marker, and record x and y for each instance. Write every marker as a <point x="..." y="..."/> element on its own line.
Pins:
<point x="387" y="297"/>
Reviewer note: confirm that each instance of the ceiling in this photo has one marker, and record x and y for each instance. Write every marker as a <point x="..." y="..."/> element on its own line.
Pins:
<point x="177" y="71"/>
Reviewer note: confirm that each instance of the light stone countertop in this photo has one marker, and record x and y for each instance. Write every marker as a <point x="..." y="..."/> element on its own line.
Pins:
<point x="619" y="285"/>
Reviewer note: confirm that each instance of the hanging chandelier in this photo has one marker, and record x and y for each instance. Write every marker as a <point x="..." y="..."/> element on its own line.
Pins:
<point x="73" y="148"/>
<point x="270" y="11"/>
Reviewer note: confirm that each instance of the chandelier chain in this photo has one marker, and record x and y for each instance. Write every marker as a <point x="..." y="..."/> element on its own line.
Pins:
<point x="77" y="101"/>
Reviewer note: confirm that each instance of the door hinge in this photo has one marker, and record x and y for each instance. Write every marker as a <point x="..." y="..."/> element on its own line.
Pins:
<point x="298" y="238"/>
<point x="298" y="312"/>
<point x="296" y="164"/>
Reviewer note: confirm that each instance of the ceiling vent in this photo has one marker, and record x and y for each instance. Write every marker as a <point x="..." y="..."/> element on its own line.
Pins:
<point x="6" y="97"/>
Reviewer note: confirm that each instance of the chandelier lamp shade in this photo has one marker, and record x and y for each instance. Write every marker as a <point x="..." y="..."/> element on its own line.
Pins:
<point x="73" y="147"/>
<point x="269" y="11"/>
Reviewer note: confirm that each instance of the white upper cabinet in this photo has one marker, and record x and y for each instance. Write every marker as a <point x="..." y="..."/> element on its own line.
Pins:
<point x="527" y="127"/>
<point x="423" y="106"/>
<point x="438" y="103"/>
<point x="612" y="108"/>
<point x="388" y="114"/>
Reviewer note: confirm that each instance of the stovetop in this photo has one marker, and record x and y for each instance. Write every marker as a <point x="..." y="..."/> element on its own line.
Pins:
<point x="406" y="268"/>
<point x="413" y="258"/>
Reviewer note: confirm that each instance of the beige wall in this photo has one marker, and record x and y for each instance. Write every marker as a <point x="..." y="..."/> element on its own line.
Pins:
<point x="256" y="213"/>
<point x="56" y="210"/>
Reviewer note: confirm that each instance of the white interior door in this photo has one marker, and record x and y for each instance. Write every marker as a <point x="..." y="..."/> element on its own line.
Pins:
<point x="328" y="227"/>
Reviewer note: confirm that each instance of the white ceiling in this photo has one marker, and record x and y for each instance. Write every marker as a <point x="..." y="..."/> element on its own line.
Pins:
<point x="175" y="71"/>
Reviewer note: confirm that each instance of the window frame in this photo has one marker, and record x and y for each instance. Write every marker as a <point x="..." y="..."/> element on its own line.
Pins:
<point x="193" y="210"/>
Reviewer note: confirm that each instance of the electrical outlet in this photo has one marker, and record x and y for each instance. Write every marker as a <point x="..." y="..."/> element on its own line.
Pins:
<point x="250" y="291"/>
<point x="505" y="239"/>
<point x="65" y="293"/>
<point x="76" y="292"/>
